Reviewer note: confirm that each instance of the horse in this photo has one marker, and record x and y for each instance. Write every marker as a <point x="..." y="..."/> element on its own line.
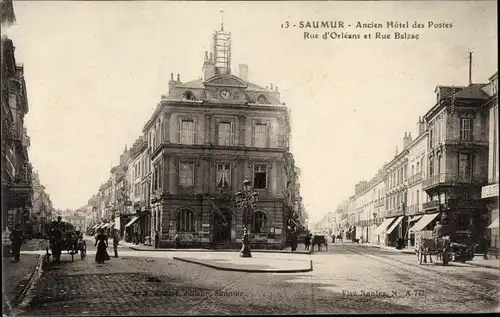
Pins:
<point x="436" y="246"/>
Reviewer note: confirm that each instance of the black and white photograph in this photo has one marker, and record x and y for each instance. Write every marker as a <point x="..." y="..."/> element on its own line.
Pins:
<point x="249" y="157"/>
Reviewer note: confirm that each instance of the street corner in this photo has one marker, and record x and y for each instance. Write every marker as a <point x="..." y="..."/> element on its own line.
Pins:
<point x="255" y="264"/>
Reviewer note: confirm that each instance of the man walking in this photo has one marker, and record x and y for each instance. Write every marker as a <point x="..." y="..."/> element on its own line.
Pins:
<point x="116" y="239"/>
<point x="16" y="236"/>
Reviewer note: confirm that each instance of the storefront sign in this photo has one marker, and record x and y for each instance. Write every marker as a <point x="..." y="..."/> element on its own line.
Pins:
<point x="277" y="231"/>
<point x="489" y="191"/>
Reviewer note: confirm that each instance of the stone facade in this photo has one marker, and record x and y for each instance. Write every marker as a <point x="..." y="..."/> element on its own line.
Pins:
<point x="458" y="156"/>
<point x="206" y="137"/>
<point x="17" y="190"/>
<point x="489" y="192"/>
<point x="417" y="172"/>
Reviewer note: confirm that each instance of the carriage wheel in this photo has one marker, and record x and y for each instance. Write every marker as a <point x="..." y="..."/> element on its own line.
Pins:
<point x="83" y="250"/>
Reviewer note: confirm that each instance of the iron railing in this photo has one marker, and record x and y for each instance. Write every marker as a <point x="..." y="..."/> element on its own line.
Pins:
<point x="415" y="178"/>
<point x="430" y="205"/>
<point x="451" y="179"/>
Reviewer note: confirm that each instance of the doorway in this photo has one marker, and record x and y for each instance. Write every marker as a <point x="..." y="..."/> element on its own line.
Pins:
<point x="222" y="225"/>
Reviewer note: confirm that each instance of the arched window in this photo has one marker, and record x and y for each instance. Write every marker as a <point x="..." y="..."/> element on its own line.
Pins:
<point x="188" y="95"/>
<point x="262" y="99"/>
<point x="185" y="221"/>
<point x="260" y="222"/>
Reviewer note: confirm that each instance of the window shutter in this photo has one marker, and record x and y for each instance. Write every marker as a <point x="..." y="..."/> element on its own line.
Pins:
<point x="253" y="132"/>
<point x="217" y="132"/>
<point x="232" y="134"/>
<point x="179" y="133"/>
<point x="195" y="130"/>
<point x="268" y="134"/>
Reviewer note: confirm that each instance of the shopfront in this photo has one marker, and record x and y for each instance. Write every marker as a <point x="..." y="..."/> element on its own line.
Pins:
<point x="490" y="195"/>
<point x="382" y="229"/>
<point x="410" y="235"/>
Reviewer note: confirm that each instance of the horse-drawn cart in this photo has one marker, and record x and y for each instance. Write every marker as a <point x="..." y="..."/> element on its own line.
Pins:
<point x="426" y="245"/>
<point x="64" y="238"/>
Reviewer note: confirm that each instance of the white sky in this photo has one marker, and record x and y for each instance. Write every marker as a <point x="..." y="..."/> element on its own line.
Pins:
<point x="96" y="70"/>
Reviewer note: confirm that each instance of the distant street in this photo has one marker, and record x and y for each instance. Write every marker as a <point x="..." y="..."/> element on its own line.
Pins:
<point x="149" y="282"/>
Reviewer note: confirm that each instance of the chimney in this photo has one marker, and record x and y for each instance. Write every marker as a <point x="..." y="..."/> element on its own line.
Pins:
<point x="406" y="140"/>
<point x="206" y="56"/>
<point x="172" y="76"/>
<point x="420" y="126"/>
<point x="211" y="58"/>
<point x="243" y="71"/>
<point x="272" y="86"/>
<point x="178" y="78"/>
<point x="276" y="88"/>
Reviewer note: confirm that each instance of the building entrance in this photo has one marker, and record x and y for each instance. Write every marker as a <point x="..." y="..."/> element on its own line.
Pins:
<point x="222" y="225"/>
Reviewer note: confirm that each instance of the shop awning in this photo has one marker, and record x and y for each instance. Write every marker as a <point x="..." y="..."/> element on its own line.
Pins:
<point x="383" y="226"/>
<point x="423" y="222"/>
<point x="494" y="225"/>
<point x="415" y="218"/>
<point x="131" y="221"/>
<point x="394" y="225"/>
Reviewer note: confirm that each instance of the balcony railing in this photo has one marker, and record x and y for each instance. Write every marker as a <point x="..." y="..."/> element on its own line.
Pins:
<point x="430" y="205"/>
<point x="450" y="180"/>
<point x="415" y="178"/>
<point x="466" y="142"/>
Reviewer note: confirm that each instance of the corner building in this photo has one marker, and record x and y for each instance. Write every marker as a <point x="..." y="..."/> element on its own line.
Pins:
<point x="206" y="137"/>
<point x="457" y="159"/>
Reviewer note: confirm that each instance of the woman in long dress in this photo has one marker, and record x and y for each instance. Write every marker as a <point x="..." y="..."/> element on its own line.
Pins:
<point x="101" y="241"/>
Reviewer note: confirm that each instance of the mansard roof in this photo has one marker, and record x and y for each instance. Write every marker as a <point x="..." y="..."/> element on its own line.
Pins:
<point x="472" y="91"/>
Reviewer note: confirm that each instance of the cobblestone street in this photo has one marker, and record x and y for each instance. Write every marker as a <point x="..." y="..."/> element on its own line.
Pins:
<point x="141" y="282"/>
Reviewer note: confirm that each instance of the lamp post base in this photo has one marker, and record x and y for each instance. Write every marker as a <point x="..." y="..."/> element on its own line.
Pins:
<point x="245" y="251"/>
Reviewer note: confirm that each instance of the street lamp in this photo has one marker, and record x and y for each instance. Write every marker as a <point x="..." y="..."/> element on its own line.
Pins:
<point x="246" y="200"/>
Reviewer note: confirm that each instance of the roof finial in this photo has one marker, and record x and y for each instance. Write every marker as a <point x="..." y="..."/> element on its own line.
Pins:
<point x="222" y="20"/>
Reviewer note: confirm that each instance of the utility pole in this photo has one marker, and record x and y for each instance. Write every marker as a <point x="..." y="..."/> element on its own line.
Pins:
<point x="470" y="68"/>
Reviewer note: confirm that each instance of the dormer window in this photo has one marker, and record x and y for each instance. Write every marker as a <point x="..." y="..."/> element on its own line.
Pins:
<point x="262" y="99"/>
<point x="188" y="95"/>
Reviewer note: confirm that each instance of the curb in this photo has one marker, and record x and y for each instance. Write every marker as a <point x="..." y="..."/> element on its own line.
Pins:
<point x="209" y="250"/>
<point x="471" y="263"/>
<point x="21" y="300"/>
<point x="310" y="269"/>
<point x="483" y="265"/>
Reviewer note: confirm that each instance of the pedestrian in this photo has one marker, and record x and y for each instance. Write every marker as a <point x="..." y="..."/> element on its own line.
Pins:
<point x="307" y="242"/>
<point x="294" y="241"/>
<point x="102" y="244"/>
<point x="326" y="243"/>
<point x="157" y="240"/>
<point x="116" y="239"/>
<point x="17" y="238"/>
<point x="177" y="243"/>
<point x="136" y="237"/>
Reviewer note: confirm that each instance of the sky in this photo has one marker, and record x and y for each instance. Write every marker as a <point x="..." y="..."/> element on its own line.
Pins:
<point x="95" y="72"/>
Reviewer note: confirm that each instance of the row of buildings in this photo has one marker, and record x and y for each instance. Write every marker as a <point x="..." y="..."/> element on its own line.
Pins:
<point x="205" y="137"/>
<point x="447" y="171"/>
<point x="24" y="200"/>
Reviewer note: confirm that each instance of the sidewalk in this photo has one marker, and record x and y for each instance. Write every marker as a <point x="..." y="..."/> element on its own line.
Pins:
<point x="407" y="250"/>
<point x="16" y="277"/>
<point x="142" y="247"/>
<point x="478" y="260"/>
<point x="258" y="263"/>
